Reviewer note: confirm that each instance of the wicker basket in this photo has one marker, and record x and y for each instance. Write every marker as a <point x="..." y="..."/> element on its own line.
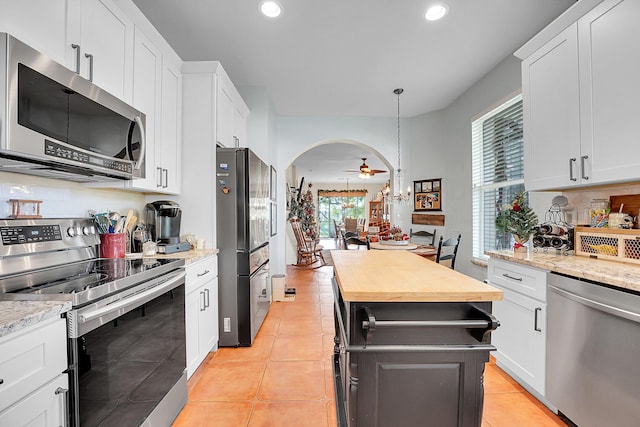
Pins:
<point x="608" y="243"/>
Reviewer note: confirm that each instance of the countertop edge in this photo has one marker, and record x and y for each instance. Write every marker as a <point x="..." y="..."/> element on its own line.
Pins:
<point x="614" y="273"/>
<point x="18" y="315"/>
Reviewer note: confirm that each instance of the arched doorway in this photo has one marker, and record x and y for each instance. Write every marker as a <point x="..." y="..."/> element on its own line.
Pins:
<point x="334" y="164"/>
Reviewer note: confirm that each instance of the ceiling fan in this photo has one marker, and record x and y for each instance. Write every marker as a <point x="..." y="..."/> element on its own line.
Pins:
<point x="366" y="172"/>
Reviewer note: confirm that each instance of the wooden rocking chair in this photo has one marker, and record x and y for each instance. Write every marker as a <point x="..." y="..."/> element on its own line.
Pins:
<point x="308" y="252"/>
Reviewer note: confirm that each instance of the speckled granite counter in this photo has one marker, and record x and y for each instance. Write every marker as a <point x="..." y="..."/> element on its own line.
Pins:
<point x="189" y="256"/>
<point x="17" y="315"/>
<point x="614" y="273"/>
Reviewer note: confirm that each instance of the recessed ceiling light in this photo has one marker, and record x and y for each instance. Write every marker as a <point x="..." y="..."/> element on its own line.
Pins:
<point x="270" y="8"/>
<point x="436" y="11"/>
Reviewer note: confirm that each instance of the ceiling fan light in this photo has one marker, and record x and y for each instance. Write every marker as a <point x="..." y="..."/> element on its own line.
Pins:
<point x="364" y="175"/>
<point x="436" y="12"/>
<point x="270" y="8"/>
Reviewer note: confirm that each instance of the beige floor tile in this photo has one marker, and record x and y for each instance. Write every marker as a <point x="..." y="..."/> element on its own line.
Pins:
<point x="218" y="414"/>
<point x="517" y="409"/>
<point x="293" y="381"/>
<point x="297" y="347"/>
<point x="497" y="381"/>
<point x="289" y="414"/>
<point x="259" y="351"/>
<point x="229" y="381"/>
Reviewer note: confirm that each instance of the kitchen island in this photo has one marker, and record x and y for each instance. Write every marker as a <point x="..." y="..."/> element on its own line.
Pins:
<point x="412" y="338"/>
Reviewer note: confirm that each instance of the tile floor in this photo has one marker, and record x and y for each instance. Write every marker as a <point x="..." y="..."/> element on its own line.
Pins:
<point x="285" y="378"/>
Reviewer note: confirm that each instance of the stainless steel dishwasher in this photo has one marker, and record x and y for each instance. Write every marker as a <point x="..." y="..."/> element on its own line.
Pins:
<point x="593" y="346"/>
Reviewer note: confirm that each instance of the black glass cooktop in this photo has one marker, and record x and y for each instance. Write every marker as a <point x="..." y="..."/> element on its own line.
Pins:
<point x="88" y="280"/>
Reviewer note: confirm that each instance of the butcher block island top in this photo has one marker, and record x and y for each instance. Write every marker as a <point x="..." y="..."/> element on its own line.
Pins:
<point x="401" y="276"/>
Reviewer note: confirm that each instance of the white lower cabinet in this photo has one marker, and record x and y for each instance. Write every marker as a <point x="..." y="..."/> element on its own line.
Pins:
<point x="201" y="311"/>
<point x="521" y="337"/>
<point x="33" y="389"/>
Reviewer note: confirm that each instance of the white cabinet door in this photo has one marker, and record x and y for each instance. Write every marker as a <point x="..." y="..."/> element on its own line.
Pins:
<point x="147" y="77"/>
<point x="46" y="407"/>
<point x="42" y="24"/>
<point x="224" y="115"/>
<point x="610" y="89"/>
<point x="520" y="339"/>
<point x="240" y="126"/>
<point x="171" y="131"/>
<point x="30" y="358"/>
<point x="106" y="43"/>
<point x="201" y="311"/>
<point x="550" y="94"/>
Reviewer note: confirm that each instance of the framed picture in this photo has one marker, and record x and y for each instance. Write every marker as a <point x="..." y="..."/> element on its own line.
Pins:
<point x="427" y="195"/>
<point x="274" y="218"/>
<point x="274" y="184"/>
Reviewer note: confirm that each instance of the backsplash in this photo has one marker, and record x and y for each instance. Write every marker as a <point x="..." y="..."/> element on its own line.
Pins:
<point x="63" y="199"/>
<point x="580" y="199"/>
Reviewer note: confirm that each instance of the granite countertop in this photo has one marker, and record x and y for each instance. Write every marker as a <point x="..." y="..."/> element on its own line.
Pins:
<point x="401" y="276"/>
<point x="17" y="315"/>
<point x="188" y="256"/>
<point x="619" y="274"/>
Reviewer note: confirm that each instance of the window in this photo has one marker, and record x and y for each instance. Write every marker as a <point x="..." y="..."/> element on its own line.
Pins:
<point x="336" y="205"/>
<point x="498" y="172"/>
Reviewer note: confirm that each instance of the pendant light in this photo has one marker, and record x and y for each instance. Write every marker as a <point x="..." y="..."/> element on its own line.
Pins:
<point x="348" y="204"/>
<point x="400" y="197"/>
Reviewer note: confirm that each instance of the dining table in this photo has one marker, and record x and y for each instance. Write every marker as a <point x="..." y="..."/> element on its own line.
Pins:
<point x="426" y="251"/>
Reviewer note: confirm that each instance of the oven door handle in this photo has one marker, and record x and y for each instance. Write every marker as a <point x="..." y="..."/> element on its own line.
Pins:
<point x="133" y="300"/>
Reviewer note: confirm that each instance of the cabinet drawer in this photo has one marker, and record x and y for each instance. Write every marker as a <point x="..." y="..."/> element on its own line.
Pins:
<point x="31" y="358"/>
<point x="200" y="271"/>
<point x="526" y="280"/>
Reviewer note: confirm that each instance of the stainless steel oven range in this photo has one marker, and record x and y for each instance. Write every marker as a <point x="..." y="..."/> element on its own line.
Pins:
<point x="126" y="328"/>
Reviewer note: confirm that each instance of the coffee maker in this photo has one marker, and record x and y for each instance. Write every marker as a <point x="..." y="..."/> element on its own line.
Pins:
<point x="163" y="222"/>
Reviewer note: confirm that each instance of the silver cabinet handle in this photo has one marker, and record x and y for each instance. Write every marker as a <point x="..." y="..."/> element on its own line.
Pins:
<point x="519" y="279"/>
<point x="582" y="159"/>
<point x="159" y="180"/>
<point x="203" y="273"/>
<point x="535" y="319"/>
<point x="166" y="178"/>
<point x="143" y="143"/>
<point x="206" y="294"/>
<point x="65" y="403"/>
<point x="203" y="307"/>
<point x="571" y="162"/>
<point x="90" y="57"/>
<point x="76" y="47"/>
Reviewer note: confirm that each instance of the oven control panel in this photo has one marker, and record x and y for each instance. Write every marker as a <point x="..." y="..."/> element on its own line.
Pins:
<point x="17" y="235"/>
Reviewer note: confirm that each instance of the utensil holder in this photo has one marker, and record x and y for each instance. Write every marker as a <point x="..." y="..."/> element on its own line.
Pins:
<point x="113" y="245"/>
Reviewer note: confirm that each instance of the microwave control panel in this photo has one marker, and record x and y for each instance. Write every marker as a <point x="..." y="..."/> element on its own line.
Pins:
<point x="57" y="150"/>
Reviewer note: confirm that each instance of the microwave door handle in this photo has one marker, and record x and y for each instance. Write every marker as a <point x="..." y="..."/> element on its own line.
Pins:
<point x="143" y="143"/>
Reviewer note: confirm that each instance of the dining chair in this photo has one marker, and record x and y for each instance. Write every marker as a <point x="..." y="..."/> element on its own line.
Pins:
<point x="430" y="237"/>
<point x="450" y="256"/>
<point x="351" y="224"/>
<point x="353" y="239"/>
<point x="336" y="229"/>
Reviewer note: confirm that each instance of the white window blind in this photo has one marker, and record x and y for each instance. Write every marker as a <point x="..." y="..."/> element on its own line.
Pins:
<point x="498" y="171"/>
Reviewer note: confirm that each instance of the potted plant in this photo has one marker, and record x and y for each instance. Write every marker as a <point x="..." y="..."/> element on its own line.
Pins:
<point x="519" y="220"/>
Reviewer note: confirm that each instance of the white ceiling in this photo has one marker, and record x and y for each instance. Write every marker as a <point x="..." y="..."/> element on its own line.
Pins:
<point x="345" y="57"/>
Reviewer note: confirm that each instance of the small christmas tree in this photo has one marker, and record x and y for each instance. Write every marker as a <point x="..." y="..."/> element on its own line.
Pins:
<point x="518" y="219"/>
<point x="305" y="211"/>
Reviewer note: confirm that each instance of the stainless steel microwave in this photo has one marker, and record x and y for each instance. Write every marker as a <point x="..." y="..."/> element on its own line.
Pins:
<point x="57" y="124"/>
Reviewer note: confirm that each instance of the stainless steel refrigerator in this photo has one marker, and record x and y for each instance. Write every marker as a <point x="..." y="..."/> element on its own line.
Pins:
<point x="242" y="200"/>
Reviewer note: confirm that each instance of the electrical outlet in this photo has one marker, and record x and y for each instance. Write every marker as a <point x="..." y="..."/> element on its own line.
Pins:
<point x="227" y="324"/>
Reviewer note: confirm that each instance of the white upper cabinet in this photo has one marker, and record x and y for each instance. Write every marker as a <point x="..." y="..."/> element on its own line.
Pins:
<point x="550" y="96"/>
<point x="580" y="91"/>
<point x="610" y="90"/>
<point x="42" y="24"/>
<point x="171" y="130"/>
<point x="104" y="36"/>
<point x="231" y="113"/>
<point x="147" y="80"/>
